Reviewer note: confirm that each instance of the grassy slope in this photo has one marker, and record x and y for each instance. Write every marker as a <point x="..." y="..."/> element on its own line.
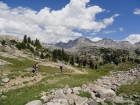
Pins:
<point x="23" y="95"/>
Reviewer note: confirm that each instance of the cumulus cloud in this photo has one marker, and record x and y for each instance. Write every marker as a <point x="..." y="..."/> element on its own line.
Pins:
<point x="109" y="31"/>
<point x="137" y="11"/>
<point x="95" y="39"/>
<point x="55" y="25"/>
<point x="133" y="38"/>
<point x="121" y="29"/>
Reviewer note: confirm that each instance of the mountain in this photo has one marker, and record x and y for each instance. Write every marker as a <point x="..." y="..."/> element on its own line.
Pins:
<point x="76" y="44"/>
<point x="137" y="44"/>
<point x="106" y="43"/>
<point x="125" y="45"/>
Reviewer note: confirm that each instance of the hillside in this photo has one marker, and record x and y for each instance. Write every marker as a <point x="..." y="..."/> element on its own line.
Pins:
<point x="77" y="84"/>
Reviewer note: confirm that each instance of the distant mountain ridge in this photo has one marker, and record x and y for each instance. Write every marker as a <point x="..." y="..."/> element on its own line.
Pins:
<point x="73" y="43"/>
<point x="85" y="42"/>
<point x="137" y="44"/>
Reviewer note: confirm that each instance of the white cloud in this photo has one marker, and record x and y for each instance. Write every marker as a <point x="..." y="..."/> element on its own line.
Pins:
<point x="95" y="39"/>
<point x="52" y="26"/>
<point x="137" y="11"/>
<point x="121" y="29"/>
<point x="3" y="6"/>
<point x="93" y="33"/>
<point x="133" y="38"/>
<point x="109" y="31"/>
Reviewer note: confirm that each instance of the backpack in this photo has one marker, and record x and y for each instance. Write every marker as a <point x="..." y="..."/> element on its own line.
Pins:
<point x="34" y="66"/>
<point x="61" y="67"/>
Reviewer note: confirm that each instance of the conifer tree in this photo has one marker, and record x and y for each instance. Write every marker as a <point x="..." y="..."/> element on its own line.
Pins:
<point x="91" y="64"/>
<point x="77" y="59"/>
<point x="55" y="54"/>
<point x="25" y="39"/>
<point x="29" y="40"/>
<point x="72" y="60"/>
<point x="60" y="57"/>
<point x="42" y="55"/>
<point x="96" y="66"/>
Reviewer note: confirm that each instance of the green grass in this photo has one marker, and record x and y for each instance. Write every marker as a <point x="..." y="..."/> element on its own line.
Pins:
<point x="130" y="89"/>
<point x="17" y="65"/>
<point x="53" y="79"/>
<point x="85" y="94"/>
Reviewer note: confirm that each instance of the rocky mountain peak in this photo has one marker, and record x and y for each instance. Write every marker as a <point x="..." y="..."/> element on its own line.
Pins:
<point x="137" y="44"/>
<point x="106" y="41"/>
<point x="79" y="42"/>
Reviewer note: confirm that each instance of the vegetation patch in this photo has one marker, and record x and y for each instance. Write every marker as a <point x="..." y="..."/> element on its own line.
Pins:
<point x="130" y="89"/>
<point x="85" y="94"/>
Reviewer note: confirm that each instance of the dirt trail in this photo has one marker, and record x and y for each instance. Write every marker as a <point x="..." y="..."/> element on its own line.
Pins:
<point x="21" y="82"/>
<point x="57" y="65"/>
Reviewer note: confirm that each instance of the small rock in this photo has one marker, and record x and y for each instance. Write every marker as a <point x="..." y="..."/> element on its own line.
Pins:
<point x="1" y="84"/>
<point x="70" y="101"/>
<point x="81" y="101"/>
<point x="5" y="80"/>
<point x="92" y="103"/>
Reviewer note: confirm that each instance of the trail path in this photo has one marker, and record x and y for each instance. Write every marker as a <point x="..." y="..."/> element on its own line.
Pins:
<point x="57" y="65"/>
<point x="19" y="82"/>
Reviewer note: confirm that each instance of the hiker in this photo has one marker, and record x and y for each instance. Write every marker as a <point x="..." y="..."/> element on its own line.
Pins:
<point x="61" y="68"/>
<point x="35" y="66"/>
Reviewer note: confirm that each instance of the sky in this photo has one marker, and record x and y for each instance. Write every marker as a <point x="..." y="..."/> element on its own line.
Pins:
<point x="52" y="21"/>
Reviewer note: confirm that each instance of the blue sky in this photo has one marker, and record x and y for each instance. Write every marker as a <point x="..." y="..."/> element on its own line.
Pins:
<point x="52" y="21"/>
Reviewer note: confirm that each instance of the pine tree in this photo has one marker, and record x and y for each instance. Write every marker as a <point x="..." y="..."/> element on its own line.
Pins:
<point x="37" y="44"/>
<point x="28" y="46"/>
<point x="77" y="59"/>
<point x="42" y="55"/>
<point x="63" y="54"/>
<point x="72" y="60"/>
<point x="91" y="64"/>
<point x="3" y="42"/>
<point x="25" y="39"/>
<point x="29" y="40"/>
<point x="55" y="54"/>
<point x="60" y="57"/>
<point x="80" y="63"/>
<point x="96" y="66"/>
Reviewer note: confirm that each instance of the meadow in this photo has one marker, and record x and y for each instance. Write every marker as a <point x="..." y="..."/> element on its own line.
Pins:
<point x="52" y="78"/>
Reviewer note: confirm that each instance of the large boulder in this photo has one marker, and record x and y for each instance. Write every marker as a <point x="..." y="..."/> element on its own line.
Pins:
<point x="76" y="90"/>
<point x="81" y="101"/>
<point x="67" y="90"/>
<point x="92" y="103"/>
<point x="92" y="94"/>
<point x="35" y="102"/>
<point x="119" y="100"/>
<point x="29" y="69"/>
<point x="104" y="93"/>
<point x="59" y="94"/>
